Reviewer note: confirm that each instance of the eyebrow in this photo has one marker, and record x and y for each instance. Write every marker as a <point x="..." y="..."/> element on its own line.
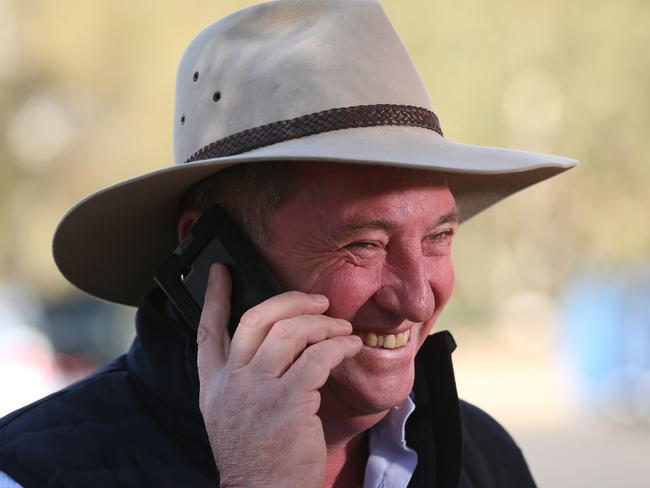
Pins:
<point x="452" y="217"/>
<point x="391" y="225"/>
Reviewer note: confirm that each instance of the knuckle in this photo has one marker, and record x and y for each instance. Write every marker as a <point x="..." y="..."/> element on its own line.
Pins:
<point x="315" y="355"/>
<point x="284" y="328"/>
<point x="250" y="318"/>
<point x="313" y="376"/>
<point x="202" y="334"/>
<point x="263" y="368"/>
<point x="312" y="402"/>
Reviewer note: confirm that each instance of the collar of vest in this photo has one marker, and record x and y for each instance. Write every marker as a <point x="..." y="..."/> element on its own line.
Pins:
<point x="163" y="355"/>
<point x="434" y="430"/>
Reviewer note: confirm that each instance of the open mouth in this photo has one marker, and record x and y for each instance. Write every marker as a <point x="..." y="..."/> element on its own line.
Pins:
<point x="385" y="341"/>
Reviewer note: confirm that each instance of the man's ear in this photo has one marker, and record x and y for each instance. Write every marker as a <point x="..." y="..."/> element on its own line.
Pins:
<point x="185" y="222"/>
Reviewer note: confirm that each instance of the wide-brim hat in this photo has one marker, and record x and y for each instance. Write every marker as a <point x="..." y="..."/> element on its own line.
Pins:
<point x="287" y="80"/>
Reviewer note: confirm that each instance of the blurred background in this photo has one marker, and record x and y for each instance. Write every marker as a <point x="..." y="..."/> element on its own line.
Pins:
<point x="552" y="307"/>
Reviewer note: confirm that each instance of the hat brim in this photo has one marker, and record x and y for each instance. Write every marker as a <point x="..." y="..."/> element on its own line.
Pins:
<point x="111" y="243"/>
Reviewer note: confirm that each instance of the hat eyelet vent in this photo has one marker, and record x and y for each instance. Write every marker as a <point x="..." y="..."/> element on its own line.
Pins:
<point x="182" y="119"/>
<point x="217" y="96"/>
<point x="196" y="76"/>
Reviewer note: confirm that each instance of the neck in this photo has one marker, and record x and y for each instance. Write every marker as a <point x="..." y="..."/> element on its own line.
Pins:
<point x="346" y="437"/>
<point x="346" y="464"/>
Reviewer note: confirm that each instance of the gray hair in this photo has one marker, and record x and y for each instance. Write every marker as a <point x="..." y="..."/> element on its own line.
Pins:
<point x="250" y="192"/>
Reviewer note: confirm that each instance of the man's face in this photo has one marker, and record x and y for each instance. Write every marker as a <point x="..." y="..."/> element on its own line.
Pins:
<point x="377" y="242"/>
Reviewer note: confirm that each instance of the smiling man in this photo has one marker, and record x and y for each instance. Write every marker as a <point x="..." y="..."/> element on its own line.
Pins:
<point x="377" y="243"/>
<point x="307" y="122"/>
<point x="371" y="246"/>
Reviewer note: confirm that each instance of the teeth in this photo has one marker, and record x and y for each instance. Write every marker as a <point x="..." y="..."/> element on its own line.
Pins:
<point x="387" y="341"/>
<point x="370" y="339"/>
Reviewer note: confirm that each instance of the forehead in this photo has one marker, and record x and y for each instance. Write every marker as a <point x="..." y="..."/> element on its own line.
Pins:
<point x="357" y="182"/>
<point x="341" y="191"/>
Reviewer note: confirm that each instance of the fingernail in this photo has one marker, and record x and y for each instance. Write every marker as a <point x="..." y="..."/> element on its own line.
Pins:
<point x="320" y="298"/>
<point x="344" y="322"/>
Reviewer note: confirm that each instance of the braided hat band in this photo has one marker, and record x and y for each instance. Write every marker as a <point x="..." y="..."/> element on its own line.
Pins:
<point x="316" y="123"/>
<point x="281" y="81"/>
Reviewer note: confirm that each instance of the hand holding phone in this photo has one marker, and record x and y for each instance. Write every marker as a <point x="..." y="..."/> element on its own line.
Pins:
<point x="215" y="238"/>
<point x="259" y="394"/>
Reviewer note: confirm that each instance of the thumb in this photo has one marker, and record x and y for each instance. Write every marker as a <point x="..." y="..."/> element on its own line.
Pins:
<point x="212" y="337"/>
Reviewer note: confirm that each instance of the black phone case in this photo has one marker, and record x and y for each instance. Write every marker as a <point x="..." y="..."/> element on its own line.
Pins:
<point x="215" y="238"/>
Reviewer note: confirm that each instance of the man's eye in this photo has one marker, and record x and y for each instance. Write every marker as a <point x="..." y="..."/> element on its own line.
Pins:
<point x="440" y="242"/>
<point x="362" y="244"/>
<point x="441" y="235"/>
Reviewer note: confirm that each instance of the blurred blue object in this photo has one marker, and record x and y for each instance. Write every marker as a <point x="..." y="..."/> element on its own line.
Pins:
<point x="606" y="319"/>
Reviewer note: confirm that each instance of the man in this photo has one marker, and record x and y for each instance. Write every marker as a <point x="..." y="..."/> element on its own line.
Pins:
<point x="307" y="121"/>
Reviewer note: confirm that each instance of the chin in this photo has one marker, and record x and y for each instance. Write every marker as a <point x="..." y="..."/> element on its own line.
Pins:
<point x="366" y="394"/>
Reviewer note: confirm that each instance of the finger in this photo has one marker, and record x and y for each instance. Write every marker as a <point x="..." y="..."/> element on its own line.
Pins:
<point x="256" y="322"/>
<point x="313" y="367"/>
<point x="288" y="338"/>
<point x="212" y="335"/>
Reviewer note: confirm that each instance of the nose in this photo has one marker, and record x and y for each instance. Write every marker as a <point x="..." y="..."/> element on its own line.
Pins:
<point x="407" y="290"/>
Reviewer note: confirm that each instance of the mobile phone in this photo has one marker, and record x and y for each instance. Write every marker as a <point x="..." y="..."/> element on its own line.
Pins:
<point x="215" y="237"/>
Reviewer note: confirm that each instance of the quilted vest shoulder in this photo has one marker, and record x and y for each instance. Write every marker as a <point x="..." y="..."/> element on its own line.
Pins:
<point x="106" y="430"/>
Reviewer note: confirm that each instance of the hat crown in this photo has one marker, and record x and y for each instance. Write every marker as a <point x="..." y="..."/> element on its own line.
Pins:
<point x="288" y="58"/>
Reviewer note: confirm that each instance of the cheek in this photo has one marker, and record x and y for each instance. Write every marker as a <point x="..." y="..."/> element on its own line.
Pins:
<point x="348" y="290"/>
<point x="442" y="283"/>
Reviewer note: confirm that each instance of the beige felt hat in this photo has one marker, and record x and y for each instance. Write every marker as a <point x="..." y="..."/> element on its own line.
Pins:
<point x="306" y="80"/>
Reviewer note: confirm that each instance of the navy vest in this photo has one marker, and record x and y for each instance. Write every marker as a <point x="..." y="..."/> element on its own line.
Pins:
<point x="136" y="423"/>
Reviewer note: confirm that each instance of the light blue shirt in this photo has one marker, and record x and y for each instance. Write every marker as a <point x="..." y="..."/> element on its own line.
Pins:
<point x="7" y="482"/>
<point x="390" y="462"/>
